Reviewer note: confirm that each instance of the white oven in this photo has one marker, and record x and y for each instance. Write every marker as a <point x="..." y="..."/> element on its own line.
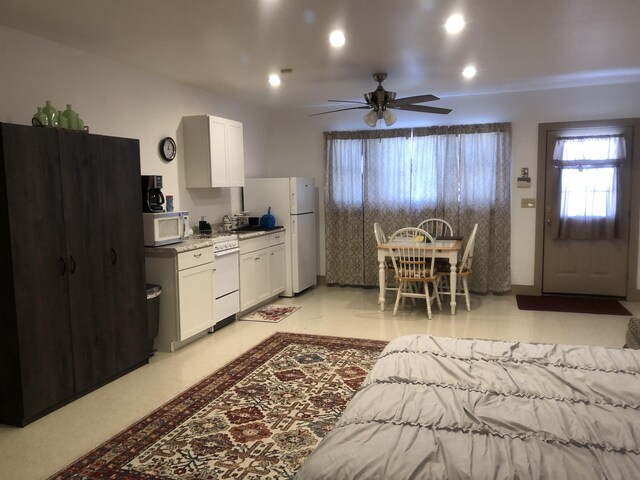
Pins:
<point x="226" y="280"/>
<point x="163" y="228"/>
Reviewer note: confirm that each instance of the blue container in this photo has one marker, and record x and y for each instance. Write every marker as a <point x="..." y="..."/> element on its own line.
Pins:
<point x="268" y="220"/>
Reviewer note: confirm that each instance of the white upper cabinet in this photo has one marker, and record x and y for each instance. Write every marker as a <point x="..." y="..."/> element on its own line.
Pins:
<point x="213" y="152"/>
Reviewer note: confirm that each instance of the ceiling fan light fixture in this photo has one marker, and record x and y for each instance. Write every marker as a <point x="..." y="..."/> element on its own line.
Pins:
<point x="371" y="118"/>
<point x="389" y="118"/>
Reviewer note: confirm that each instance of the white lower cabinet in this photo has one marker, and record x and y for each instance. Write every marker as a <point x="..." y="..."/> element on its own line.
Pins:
<point x="188" y="294"/>
<point x="262" y="264"/>
<point x="195" y="291"/>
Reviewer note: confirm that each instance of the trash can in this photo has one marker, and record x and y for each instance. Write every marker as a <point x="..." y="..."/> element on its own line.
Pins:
<point x="153" y="313"/>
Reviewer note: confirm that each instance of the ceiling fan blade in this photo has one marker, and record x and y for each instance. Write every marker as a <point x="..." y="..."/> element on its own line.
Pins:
<point x="340" y="110"/>
<point x="347" y="101"/>
<point x="422" y="109"/>
<point x="416" y="99"/>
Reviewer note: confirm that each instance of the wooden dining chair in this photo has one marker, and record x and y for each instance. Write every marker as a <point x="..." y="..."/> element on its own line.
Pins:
<point x="388" y="265"/>
<point x="464" y="270"/>
<point x="414" y="266"/>
<point x="379" y="233"/>
<point x="436" y="227"/>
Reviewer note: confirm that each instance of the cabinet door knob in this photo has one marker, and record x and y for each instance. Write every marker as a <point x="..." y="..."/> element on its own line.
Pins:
<point x="114" y="257"/>
<point x="63" y="266"/>
<point x="73" y="264"/>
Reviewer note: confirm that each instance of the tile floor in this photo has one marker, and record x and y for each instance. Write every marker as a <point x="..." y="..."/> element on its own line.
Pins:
<point x="50" y="443"/>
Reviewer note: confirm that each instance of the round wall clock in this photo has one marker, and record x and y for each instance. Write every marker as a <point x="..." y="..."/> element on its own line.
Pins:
<point x="167" y="148"/>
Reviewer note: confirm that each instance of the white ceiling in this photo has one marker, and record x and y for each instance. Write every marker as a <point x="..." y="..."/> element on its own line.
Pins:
<point x="229" y="47"/>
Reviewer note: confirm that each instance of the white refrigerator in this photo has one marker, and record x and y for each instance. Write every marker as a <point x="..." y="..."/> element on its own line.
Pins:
<point x="292" y="201"/>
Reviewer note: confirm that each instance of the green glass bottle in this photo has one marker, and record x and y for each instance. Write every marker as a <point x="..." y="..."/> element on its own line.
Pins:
<point x="72" y="117"/>
<point x="39" y="118"/>
<point x="62" y="120"/>
<point x="51" y="113"/>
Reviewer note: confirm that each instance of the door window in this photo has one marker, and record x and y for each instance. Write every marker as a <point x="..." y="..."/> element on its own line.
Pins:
<point x="589" y="195"/>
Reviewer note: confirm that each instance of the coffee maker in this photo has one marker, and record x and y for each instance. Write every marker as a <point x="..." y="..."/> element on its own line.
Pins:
<point x="152" y="196"/>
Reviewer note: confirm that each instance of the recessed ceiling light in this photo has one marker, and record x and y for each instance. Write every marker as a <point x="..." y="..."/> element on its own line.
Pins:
<point x="274" y="80"/>
<point x="337" y="38"/>
<point x="469" y="71"/>
<point x="455" y="23"/>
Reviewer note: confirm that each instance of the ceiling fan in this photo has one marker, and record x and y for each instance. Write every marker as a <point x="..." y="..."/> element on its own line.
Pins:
<point x="380" y="101"/>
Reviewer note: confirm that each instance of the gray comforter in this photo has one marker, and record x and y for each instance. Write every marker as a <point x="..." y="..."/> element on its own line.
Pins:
<point x="437" y="407"/>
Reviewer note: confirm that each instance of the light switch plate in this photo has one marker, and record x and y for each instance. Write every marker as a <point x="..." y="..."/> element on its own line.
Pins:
<point x="528" y="203"/>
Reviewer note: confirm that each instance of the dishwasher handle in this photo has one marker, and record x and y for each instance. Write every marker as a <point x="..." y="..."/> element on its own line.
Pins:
<point x="224" y="253"/>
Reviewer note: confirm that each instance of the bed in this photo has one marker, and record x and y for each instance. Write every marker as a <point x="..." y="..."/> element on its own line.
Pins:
<point x="438" y="407"/>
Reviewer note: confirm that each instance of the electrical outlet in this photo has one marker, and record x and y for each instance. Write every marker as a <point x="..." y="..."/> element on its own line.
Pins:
<point x="528" y="203"/>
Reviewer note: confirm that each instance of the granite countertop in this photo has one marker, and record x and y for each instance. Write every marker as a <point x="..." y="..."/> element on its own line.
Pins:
<point x="196" y="243"/>
<point x="180" y="247"/>
<point x="259" y="233"/>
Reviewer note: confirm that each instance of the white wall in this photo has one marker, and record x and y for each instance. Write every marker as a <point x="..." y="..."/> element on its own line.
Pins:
<point x="296" y="143"/>
<point x="118" y="100"/>
<point x="115" y="99"/>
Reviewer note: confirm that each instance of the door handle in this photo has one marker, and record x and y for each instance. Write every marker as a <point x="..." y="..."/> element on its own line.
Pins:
<point x="114" y="256"/>
<point x="548" y="221"/>
<point x="73" y="264"/>
<point x="63" y="266"/>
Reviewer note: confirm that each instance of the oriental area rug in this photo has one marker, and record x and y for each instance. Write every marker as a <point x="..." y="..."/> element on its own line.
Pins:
<point x="270" y="313"/>
<point x="258" y="417"/>
<point x="573" y="304"/>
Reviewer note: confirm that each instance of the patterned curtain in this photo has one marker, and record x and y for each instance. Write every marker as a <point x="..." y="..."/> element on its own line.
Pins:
<point x="459" y="173"/>
<point x="344" y="206"/>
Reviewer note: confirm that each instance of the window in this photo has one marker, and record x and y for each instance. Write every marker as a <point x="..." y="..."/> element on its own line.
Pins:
<point x="400" y="177"/>
<point x="589" y="192"/>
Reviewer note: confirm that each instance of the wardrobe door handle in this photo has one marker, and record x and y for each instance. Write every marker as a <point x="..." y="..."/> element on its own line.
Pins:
<point x="63" y="266"/>
<point x="114" y="256"/>
<point x="73" y="264"/>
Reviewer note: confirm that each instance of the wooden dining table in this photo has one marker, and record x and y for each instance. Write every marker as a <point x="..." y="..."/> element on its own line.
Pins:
<point x="449" y="249"/>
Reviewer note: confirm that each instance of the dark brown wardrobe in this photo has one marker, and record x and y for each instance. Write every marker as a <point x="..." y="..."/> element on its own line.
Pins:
<point x="72" y="277"/>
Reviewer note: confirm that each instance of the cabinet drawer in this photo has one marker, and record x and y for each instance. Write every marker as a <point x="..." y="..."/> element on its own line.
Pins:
<point x="253" y="244"/>
<point x="194" y="258"/>
<point x="276" y="238"/>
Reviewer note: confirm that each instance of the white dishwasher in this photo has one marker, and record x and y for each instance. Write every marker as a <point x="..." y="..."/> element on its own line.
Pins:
<point x="226" y="280"/>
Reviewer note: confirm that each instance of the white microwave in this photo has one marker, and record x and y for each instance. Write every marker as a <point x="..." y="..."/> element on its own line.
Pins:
<point x="164" y="228"/>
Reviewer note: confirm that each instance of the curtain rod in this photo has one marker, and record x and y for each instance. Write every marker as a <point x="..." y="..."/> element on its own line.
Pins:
<point x="585" y="137"/>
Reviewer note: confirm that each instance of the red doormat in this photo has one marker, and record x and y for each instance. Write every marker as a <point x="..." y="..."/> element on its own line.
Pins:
<point x="554" y="303"/>
<point x="257" y="417"/>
